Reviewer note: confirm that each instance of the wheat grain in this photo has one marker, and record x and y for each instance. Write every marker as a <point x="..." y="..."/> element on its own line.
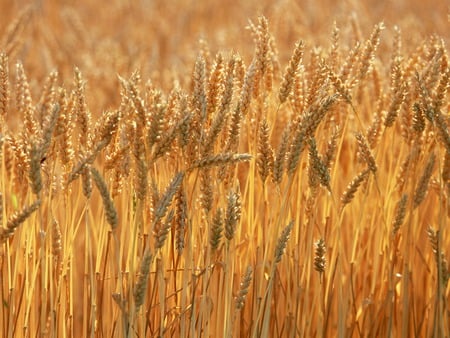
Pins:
<point x="366" y="153"/>
<point x="422" y="185"/>
<point x="265" y="158"/>
<point x="199" y="84"/>
<point x="48" y="97"/>
<point x="244" y="288"/>
<point x="63" y="131"/>
<point x="370" y="47"/>
<point x="216" y="230"/>
<point x="215" y="88"/>
<point x="17" y="219"/>
<point x="220" y="159"/>
<point x="280" y="156"/>
<point x="166" y="199"/>
<point x="163" y="230"/>
<point x="24" y="103"/>
<point x="291" y="70"/>
<point x="206" y="189"/>
<point x="334" y="55"/>
<point x="400" y="213"/>
<point x="110" y="209"/>
<point x="320" y="261"/>
<point x="181" y="218"/>
<point x="398" y="93"/>
<point x="35" y="155"/>
<point x="4" y="85"/>
<point x="318" y="169"/>
<point x="353" y="186"/>
<point x="439" y="256"/>
<point x="330" y="153"/>
<point x="81" y="111"/>
<point x="155" y="129"/>
<point x="282" y="242"/>
<point x="140" y="287"/>
<point x="233" y="214"/>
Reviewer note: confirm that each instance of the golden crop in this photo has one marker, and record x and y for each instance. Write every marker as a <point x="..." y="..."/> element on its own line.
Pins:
<point x="224" y="168"/>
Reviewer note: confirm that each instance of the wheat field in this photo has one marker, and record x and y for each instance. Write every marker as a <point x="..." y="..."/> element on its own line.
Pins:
<point x="224" y="168"/>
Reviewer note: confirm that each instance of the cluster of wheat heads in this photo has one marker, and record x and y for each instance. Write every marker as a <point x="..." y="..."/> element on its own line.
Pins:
<point x="309" y="199"/>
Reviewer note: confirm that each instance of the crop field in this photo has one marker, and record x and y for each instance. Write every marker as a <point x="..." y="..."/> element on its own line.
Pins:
<point x="224" y="168"/>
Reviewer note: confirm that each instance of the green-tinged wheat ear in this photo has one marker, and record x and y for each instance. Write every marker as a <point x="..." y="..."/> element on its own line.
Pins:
<point x="166" y="142"/>
<point x="206" y="189"/>
<point x="221" y="115"/>
<point x="49" y="128"/>
<point x="244" y="288"/>
<point x="305" y="128"/>
<point x="34" y="173"/>
<point x="216" y="230"/>
<point x="140" y="287"/>
<point x="320" y="260"/>
<point x="282" y="242"/>
<point x="400" y="213"/>
<point x="247" y="90"/>
<point x="219" y="160"/>
<point x="422" y="186"/>
<point x="85" y="160"/>
<point x="317" y="166"/>
<point x="181" y="218"/>
<point x="433" y="236"/>
<point x="141" y="180"/>
<point x="313" y="117"/>
<point x="280" y="156"/>
<point x="166" y="199"/>
<point x="295" y="150"/>
<point x="86" y="181"/>
<point x="163" y="231"/>
<point x="183" y="136"/>
<point x="17" y="219"/>
<point x="199" y="86"/>
<point x="233" y="214"/>
<point x="443" y="131"/>
<point x="110" y="209"/>
<point x="353" y="186"/>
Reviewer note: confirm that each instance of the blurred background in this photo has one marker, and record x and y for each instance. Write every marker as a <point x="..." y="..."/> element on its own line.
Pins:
<point x="162" y="38"/>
